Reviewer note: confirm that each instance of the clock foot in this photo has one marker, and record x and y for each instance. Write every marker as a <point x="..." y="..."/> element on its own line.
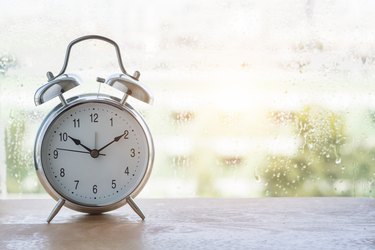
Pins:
<point x="56" y="209"/>
<point x="135" y="207"/>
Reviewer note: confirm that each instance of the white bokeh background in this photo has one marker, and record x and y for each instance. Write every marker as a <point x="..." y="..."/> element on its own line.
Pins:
<point x="219" y="70"/>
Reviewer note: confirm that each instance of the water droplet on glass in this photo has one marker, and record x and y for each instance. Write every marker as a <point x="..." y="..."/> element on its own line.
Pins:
<point x="338" y="161"/>
<point x="257" y="178"/>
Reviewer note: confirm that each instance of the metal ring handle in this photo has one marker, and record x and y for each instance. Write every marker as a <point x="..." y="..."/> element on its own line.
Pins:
<point x="83" y="38"/>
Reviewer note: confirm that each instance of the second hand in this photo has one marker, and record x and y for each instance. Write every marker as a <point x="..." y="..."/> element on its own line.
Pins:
<point x="76" y="151"/>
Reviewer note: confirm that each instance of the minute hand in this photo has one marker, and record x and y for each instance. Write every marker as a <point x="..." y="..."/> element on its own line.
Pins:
<point x="117" y="138"/>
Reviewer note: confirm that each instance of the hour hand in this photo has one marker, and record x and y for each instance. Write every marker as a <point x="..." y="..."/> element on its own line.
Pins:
<point x="78" y="142"/>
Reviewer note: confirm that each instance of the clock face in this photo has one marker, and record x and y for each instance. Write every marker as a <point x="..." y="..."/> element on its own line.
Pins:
<point x="95" y="153"/>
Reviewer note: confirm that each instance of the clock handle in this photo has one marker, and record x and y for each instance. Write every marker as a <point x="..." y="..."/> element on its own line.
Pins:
<point x="135" y="207"/>
<point x="97" y="37"/>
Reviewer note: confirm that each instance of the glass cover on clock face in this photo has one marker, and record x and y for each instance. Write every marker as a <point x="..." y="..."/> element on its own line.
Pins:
<point x="95" y="154"/>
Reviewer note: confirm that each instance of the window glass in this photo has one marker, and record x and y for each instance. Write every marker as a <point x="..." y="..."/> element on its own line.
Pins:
<point x="252" y="98"/>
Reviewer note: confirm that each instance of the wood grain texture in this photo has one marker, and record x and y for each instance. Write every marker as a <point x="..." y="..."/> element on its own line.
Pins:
<point x="266" y="223"/>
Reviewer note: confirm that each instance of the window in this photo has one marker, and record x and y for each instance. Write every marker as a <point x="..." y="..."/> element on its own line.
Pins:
<point x="253" y="98"/>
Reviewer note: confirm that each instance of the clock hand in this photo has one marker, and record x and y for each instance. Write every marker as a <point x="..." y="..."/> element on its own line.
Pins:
<point x="78" y="142"/>
<point x="117" y="138"/>
<point x="93" y="152"/>
<point x="77" y="151"/>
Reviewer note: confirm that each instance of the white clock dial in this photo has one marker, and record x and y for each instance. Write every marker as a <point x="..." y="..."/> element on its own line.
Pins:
<point x="95" y="154"/>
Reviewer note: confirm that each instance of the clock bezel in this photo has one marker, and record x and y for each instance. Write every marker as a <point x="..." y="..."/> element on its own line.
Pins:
<point x="60" y="109"/>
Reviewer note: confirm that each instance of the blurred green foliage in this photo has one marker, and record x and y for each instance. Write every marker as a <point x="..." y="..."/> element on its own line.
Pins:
<point x="21" y="177"/>
<point x="326" y="162"/>
<point x="324" y="165"/>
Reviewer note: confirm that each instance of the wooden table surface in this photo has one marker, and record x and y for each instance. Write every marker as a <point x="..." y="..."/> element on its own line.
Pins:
<point x="265" y="223"/>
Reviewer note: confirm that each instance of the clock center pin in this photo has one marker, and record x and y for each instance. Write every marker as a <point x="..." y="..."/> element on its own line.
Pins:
<point x="94" y="153"/>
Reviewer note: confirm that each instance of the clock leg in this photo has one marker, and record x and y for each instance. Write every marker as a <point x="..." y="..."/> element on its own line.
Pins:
<point x="56" y="209"/>
<point x="135" y="207"/>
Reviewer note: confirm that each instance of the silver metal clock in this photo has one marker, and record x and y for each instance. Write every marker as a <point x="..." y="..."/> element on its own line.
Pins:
<point x="93" y="152"/>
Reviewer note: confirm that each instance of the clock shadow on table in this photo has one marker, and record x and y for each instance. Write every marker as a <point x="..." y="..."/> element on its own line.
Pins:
<point x="104" y="218"/>
<point x="94" y="231"/>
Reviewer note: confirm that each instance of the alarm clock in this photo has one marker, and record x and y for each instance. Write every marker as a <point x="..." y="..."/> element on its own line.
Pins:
<point x="93" y="152"/>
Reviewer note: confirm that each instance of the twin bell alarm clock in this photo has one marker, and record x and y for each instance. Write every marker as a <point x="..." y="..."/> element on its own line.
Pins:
<point x="93" y="152"/>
